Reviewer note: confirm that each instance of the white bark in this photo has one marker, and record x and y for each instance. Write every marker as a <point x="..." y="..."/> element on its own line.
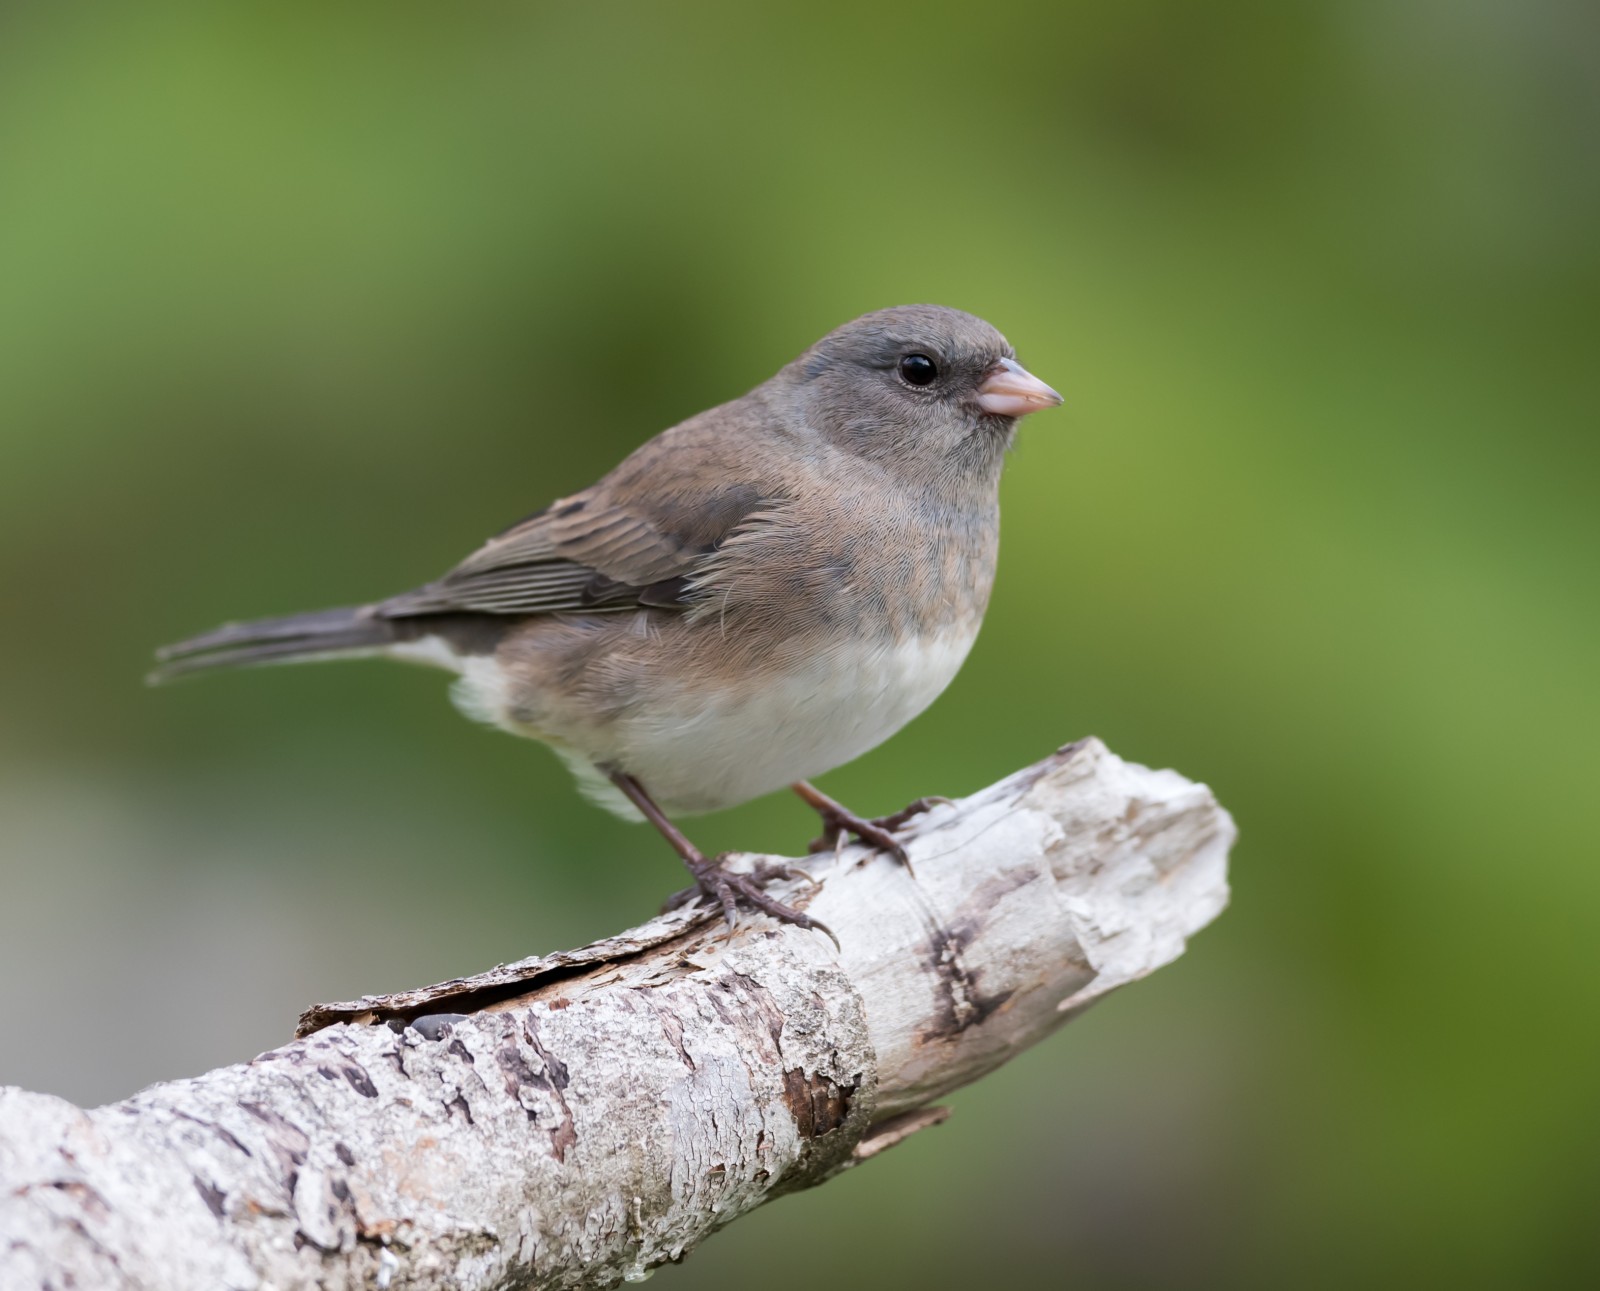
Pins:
<point x="598" y="1112"/>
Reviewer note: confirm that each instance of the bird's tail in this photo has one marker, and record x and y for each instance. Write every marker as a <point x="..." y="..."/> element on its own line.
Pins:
<point x="291" y="638"/>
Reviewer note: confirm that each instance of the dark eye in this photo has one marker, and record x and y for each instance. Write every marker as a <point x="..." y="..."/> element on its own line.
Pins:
<point x="919" y="370"/>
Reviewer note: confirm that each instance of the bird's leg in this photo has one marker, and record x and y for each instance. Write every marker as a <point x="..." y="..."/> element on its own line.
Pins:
<point x="837" y="821"/>
<point x="711" y="876"/>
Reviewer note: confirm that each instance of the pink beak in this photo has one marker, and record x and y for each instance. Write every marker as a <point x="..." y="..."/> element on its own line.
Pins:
<point x="1010" y="390"/>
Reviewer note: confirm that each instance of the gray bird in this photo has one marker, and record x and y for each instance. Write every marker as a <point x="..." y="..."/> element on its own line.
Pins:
<point x="755" y="596"/>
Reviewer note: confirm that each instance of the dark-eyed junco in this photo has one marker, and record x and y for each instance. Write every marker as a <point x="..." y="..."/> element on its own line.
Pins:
<point x="755" y="596"/>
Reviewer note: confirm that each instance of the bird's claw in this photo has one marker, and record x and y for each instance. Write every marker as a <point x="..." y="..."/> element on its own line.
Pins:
<point x="874" y="835"/>
<point x="878" y="834"/>
<point x="729" y="887"/>
<point x="913" y="809"/>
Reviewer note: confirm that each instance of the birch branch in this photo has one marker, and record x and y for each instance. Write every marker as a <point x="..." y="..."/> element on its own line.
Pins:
<point x="575" y="1120"/>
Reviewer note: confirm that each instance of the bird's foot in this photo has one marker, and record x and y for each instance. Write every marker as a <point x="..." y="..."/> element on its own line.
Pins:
<point x="713" y="878"/>
<point x="729" y="887"/>
<point x="911" y="810"/>
<point x="836" y="824"/>
<point x="838" y="820"/>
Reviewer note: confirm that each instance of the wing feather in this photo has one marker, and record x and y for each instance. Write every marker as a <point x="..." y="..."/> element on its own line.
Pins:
<point x="588" y="552"/>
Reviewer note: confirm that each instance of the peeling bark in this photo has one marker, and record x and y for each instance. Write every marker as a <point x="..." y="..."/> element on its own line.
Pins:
<point x="574" y="1120"/>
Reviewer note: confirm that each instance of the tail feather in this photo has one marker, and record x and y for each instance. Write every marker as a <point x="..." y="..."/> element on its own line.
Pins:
<point x="287" y="639"/>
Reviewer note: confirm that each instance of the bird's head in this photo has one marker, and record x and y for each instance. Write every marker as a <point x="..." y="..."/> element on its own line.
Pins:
<point x="927" y="390"/>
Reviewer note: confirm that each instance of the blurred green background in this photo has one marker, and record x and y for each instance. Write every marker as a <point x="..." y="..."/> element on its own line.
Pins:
<point x="296" y="306"/>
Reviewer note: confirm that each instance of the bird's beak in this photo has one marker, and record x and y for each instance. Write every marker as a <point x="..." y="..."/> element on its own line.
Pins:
<point x="1010" y="390"/>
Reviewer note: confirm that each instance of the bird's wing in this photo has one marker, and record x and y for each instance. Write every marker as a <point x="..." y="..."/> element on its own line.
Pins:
<point x="593" y="551"/>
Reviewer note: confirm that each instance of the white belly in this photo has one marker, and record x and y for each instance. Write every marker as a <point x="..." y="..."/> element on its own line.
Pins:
<point x="698" y="749"/>
<point x="701" y="751"/>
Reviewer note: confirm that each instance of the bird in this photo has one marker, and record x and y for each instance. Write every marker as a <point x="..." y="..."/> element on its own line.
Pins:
<point x="755" y="596"/>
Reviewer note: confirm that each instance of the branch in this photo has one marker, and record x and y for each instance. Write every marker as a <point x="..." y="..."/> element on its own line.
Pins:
<point x="577" y="1119"/>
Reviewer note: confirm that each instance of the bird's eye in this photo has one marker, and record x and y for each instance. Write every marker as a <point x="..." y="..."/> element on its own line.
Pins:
<point x="918" y="370"/>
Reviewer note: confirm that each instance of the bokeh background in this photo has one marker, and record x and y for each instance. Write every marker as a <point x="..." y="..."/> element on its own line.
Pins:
<point x="298" y="303"/>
